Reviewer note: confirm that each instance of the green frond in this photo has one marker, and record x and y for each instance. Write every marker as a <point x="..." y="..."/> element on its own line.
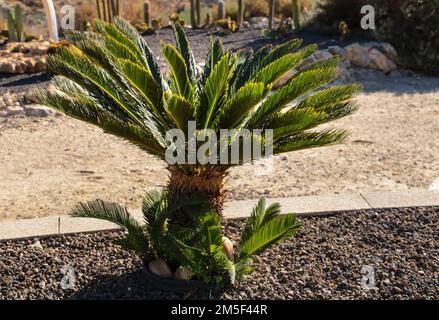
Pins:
<point x="307" y="140"/>
<point x="92" y="77"/>
<point x="298" y="86"/>
<point x="86" y="109"/>
<point x="179" y="72"/>
<point x="136" y="239"/>
<point x="142" y="46"/>
<point x="330" y="96"/>
<point x="276" y="230"/>
<point x="112" y="212"/>
<point x="241" y="104"/>
<point x="180" y="110"/>
<point x="281" y="50"/>
<point x="185" y="50"/>
<point x="243" y="268"/>
<point x="250" y="67"/>
<point x="215" y="91"/>
<point x="261" y="214"/>
<point x="143" y="81"/>
<point x="272" y="72"/>
<point x="216" y="51"/>
<point x="332" y="62"/>
<point x="119" y="43"/>
<point x="155" y="212"/>
<point x="294" y="121"/>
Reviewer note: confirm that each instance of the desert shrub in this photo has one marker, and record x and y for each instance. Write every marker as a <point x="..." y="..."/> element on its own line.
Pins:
<point x="409" y="25"/>
<point x="412" y="27"/>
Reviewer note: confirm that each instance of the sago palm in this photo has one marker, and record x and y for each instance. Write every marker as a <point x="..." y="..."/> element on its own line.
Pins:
<point x="110" y="78"/>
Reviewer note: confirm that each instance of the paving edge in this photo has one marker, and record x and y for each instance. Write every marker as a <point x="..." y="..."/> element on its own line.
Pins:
<point x="302" y="206"/>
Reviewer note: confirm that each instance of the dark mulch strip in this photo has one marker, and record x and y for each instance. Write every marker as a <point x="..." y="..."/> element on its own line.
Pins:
<point x="322" y="262"/>
<point x="199" y="40"/>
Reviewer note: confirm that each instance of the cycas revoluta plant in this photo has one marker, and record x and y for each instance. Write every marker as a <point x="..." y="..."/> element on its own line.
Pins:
<point x="110" y="78"/>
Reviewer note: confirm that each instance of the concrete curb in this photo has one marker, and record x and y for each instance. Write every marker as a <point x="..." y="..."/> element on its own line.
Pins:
<point x="302" y="206"/>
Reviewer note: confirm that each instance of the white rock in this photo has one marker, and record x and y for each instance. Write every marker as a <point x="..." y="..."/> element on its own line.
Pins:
<point x="36" y="110"/>
<point x="322" y="55"/>
<point x="338" y="51"/>
<point x="380" y="62"/>
<point x="13" y="110"/>
<point x="434" y="185"/>
<point x="9" y="99"/>
<point x="358" y="55"/>
<point x="259" y="22"/>
<point x="388" y="50"/>
<point x="36" y="245"/>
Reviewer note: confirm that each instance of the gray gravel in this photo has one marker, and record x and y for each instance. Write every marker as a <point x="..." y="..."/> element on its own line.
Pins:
<point x="323" y="262"/>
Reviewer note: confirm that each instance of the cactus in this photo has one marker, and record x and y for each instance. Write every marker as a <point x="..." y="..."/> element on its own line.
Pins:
<point x="208" y="20"/>
<point x="110" y="11"/>
<point x="221" y="10"/>
<point x="198" y="8"/>
<point x="240" y="13"/>
<point x="193" y="18"/>
<point x="146" y="13"/>
<point x="296" y="12"/>
<point x="107" y="9"/>
<point x="98" y="8"/>
<point x="270" y="14"/>
<point x="15" y="24"/>
<point x="117" y="8"/>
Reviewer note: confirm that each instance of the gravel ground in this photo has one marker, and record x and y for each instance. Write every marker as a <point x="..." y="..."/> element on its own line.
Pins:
<point x="323" y="262"/>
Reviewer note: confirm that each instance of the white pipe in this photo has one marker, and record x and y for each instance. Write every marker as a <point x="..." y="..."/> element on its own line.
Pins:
<point x="49" y="8"/>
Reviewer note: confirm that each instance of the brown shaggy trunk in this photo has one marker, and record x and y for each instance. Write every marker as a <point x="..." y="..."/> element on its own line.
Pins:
<point x="209" y="184"/>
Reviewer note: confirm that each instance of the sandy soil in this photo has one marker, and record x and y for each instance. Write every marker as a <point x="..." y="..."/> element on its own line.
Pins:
<point x="47" y="165"/>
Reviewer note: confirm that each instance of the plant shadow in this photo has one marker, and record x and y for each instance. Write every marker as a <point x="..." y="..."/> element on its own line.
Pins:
<point x="128" y="286"/>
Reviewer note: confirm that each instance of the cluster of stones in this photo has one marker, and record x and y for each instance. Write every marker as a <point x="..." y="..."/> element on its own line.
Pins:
<point x="379" y="56"/>
<point x="23" y="104"/>
<point x="23" y="57"/>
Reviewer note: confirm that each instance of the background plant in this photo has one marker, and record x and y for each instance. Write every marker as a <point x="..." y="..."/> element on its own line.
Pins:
<point x="15" y="24"/>
<point x="411" y="26"/>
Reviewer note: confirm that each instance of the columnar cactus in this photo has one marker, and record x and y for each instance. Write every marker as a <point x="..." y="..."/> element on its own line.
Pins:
<point x="15" y="24"/>
<point x="110" y="11"/>
<point x="193" y="18"/>
<point x="107" y="9"/>
<point x="198" y="8"/>
<point x="271" y="4"/>
<point x="117" y="8"/>
<point x="146" y="13"/>
<point x="296" y="12"/>
<point x="98" y="8"/>
<point x="221" y="10"/>
<point x="240" y="14"/>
